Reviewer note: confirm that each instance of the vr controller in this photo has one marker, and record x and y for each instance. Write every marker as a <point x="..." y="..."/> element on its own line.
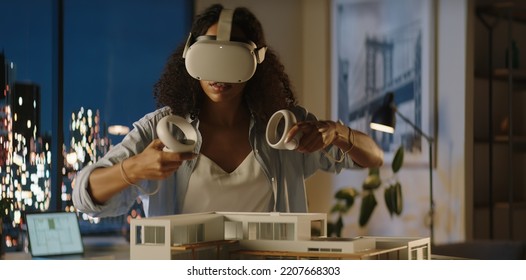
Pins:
<point x="164" y="132"/>
<point x="278" y="126"/>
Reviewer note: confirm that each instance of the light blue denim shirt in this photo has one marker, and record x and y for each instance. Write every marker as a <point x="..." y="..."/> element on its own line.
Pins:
<point x="286" y="172"/>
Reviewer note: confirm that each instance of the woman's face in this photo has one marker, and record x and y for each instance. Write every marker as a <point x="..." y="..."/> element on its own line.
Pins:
<point x="218" y="91"/>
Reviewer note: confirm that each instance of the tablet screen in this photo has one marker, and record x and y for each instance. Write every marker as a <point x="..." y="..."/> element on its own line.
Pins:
<point x="53" y="234"/>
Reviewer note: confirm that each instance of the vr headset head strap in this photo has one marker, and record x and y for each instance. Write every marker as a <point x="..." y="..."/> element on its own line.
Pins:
<point x="224" y="25"/>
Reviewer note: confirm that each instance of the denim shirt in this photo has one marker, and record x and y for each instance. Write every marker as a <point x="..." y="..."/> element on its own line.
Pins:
<point x="286" y="171"/>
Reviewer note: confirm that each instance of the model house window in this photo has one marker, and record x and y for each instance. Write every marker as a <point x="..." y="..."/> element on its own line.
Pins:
<point x="270" y="231"/>
<point x="188" y="234"/>
<point x="266" y="231"/>
<point x="151" y="235"/>
<point x="233" y="230"/>
<point x="317" y="228"/>
<point x="283" y="231"/>
<point x="253" y="231"/>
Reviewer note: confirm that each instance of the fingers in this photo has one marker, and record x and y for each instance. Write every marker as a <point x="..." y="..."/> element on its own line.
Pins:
<point x="155" y="163"/>
<point x="167" y="164"/>
<point x="167" y="155"/>
<point x="177" y="157"/>
<point x="315" y="135"/>
<point x="310" y="142"/>
<point x="156" y="144"/>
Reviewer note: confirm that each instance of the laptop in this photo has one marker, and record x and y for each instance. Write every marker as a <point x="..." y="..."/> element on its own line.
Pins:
<point x="54" y="234"/>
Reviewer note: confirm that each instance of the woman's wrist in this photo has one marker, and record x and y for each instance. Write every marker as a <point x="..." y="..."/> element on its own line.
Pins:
<point x="127" y="173"/>
<point x="344" y="137"/>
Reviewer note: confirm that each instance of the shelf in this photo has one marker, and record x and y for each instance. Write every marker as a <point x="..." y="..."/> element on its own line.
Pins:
<point x="502" y="205"/>
<point x="503" y="139"/>
<point x="515" y="205"/>
<point x="515" y="9"/>
<point x="506" y="161"/>
<point x="505" y="73"/>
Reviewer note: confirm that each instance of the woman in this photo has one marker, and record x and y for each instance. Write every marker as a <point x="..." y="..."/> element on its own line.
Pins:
<point x="232" y="168"/>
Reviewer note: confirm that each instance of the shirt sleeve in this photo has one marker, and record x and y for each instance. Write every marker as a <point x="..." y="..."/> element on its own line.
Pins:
<point x="133" y="143"/>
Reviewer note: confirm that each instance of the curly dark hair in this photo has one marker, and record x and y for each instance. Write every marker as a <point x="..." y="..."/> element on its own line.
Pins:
<point x="267" y="91"/>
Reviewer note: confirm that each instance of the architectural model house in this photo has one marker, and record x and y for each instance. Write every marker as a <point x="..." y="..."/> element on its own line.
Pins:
<point x="236" y="235"/>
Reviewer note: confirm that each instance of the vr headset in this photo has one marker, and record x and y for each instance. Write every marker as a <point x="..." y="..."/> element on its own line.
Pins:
<point x="216" y="58"/>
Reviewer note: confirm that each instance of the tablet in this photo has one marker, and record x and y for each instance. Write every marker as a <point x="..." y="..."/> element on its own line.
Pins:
<point x="54" y="234"/>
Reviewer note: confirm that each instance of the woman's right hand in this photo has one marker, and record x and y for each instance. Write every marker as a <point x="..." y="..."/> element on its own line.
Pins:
<point x="154" y="163"/>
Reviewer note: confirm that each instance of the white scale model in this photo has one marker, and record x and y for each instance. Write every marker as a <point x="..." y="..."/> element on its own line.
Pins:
<point x="237" y="235"/>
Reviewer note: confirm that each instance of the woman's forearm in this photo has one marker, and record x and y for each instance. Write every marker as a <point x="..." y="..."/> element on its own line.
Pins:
<point x="361" y="147"/>
<point x="104" y="183"/>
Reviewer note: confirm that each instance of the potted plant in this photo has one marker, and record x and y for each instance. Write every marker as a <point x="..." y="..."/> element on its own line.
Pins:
<point x="345" y="198"/>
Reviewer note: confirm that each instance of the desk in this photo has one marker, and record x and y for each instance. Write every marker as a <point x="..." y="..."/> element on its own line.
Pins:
<point x="95" y="247"/>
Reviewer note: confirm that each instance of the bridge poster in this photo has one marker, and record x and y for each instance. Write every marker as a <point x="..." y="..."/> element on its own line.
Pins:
<point x="381" y="47"/>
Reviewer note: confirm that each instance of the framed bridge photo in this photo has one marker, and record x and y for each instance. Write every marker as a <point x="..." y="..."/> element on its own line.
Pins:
<point x="381" y="47"/>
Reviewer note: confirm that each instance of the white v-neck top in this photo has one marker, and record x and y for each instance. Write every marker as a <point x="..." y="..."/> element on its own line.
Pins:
<point x="246" y="189"/>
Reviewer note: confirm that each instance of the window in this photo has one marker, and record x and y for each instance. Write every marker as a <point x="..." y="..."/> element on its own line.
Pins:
<point x="266" y="231"/>
<point x="284" y="231"/>
<point x="253" y="231"/>
<point x="150" y="235"/>
<point x="188" y="234"/>
<point x="233" y="230"/>
<point x="317" y="228"/>
<point x="113" y="52"/>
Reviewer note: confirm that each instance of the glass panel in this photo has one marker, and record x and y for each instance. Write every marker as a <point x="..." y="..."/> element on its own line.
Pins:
<point x="192" y="234"/>
<point x="317" y="228"/>
<point x="159" y="235"/>
<point x="25" y="112"/>
<point x="284" y="231"/>
<point x="180" y="235"/>
<point x="114" y="52"/>
<point x="267" y="231"/>
<point x="253" y="231"/>
<point x="138" y="235"/>
<point x="149" y="235"/>
<point x="233" y="230"/>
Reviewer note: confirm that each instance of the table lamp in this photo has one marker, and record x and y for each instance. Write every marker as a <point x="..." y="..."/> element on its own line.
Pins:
<point x="384" y="119"/>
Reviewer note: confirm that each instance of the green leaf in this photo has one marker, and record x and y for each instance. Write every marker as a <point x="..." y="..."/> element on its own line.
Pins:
<point x="374" y="171"/>
<point x="393" y="199"/>
<point x="367" y="207"/>
<point x="388" y="201"/>
<point x="338" y="208"/>
<point x="398" y="159"/>
<point x="397" y="190"/>
<point x="372" y="182"/>
<point x="347" y="195"/>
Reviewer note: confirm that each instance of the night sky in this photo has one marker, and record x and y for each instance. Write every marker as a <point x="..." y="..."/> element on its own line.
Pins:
<point x="114" y="52"/>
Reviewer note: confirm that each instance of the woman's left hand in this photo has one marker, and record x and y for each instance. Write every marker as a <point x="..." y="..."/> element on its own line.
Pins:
<point x="316" y="135"/>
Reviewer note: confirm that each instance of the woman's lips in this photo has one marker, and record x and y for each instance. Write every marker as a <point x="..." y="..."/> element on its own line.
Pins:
<point x="218" y="86"/>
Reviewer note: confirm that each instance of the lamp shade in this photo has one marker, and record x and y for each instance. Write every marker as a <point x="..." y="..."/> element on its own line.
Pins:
<point x="384" y="118"/>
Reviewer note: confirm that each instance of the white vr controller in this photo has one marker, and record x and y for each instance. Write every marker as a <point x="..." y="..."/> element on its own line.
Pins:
<point x="170" y="142"/>
<point x="277" y="128"/>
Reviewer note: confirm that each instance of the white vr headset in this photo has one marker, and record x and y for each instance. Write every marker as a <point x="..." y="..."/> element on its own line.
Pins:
<point x="216" y="58"/>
